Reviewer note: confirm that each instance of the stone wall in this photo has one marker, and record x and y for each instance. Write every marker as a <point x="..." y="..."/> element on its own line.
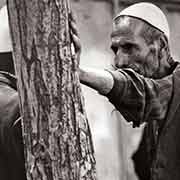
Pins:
<point x="2" y="2"/>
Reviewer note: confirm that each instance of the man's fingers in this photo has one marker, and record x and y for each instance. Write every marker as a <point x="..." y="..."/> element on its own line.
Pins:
<point x="75" y="35"/>
<point x="76" y="42"/>
<point x="74" y="28"/>
<point x="72" y="16"/>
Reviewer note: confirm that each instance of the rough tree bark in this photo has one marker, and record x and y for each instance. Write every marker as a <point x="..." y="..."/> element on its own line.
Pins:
<point x="57" y="137"/>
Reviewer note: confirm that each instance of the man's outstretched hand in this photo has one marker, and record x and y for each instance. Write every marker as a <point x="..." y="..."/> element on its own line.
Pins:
<point x="100" y="80"/>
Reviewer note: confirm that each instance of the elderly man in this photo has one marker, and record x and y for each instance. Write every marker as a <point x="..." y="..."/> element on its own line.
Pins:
<point x="144" y="87"/>
<point x="11" y="144"/>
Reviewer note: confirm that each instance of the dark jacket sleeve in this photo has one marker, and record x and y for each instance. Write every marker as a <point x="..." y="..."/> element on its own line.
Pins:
<point x="140" y="99"/>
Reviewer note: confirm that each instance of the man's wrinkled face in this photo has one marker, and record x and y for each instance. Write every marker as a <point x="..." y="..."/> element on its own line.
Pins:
<point x="131" y="49"/>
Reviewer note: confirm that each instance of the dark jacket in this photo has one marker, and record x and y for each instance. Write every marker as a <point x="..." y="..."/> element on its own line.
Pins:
<point x="11" y="144"/>
<point x="161" y="161"/>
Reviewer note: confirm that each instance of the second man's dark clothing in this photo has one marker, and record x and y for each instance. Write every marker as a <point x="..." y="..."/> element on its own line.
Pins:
<point x="11" y="145"/>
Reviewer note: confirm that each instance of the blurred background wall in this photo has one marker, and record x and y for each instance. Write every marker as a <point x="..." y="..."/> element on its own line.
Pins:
<point x="114" y="139"/>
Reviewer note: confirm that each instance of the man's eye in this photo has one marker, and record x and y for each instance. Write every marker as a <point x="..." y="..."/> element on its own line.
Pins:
<point x="114" y="49"/>
<point x="127" y="47"/>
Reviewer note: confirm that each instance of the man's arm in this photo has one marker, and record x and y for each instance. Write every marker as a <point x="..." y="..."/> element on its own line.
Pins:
<point x="99" y="80"/>
<point x="137" y="98"/>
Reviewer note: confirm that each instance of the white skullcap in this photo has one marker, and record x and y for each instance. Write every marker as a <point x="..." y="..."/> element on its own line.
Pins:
<point x="5" y="40"/>
<point x="150" y="14"/>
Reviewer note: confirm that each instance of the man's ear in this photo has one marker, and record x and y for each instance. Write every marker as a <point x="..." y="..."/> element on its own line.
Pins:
<point x="163" y="43"/>
<point x="163" y="46"/>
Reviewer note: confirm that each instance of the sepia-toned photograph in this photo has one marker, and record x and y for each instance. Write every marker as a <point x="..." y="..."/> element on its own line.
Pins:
<point x="89" y="90"/>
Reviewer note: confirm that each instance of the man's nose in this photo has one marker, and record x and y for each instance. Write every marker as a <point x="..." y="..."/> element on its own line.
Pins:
<point x="120" y="60"/>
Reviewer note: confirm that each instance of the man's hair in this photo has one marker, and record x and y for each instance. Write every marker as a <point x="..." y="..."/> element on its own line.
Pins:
<point x="152" y="34"/>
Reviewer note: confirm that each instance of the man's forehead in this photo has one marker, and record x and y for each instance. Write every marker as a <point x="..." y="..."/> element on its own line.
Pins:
<point x="126" y="26"/>
<point x="126" y="21"/>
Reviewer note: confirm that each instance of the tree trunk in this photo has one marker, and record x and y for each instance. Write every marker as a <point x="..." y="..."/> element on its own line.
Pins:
<point x="57" y="137"/>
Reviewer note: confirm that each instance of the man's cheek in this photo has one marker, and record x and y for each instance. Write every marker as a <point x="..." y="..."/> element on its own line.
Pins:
<point x="153" y="63"/>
